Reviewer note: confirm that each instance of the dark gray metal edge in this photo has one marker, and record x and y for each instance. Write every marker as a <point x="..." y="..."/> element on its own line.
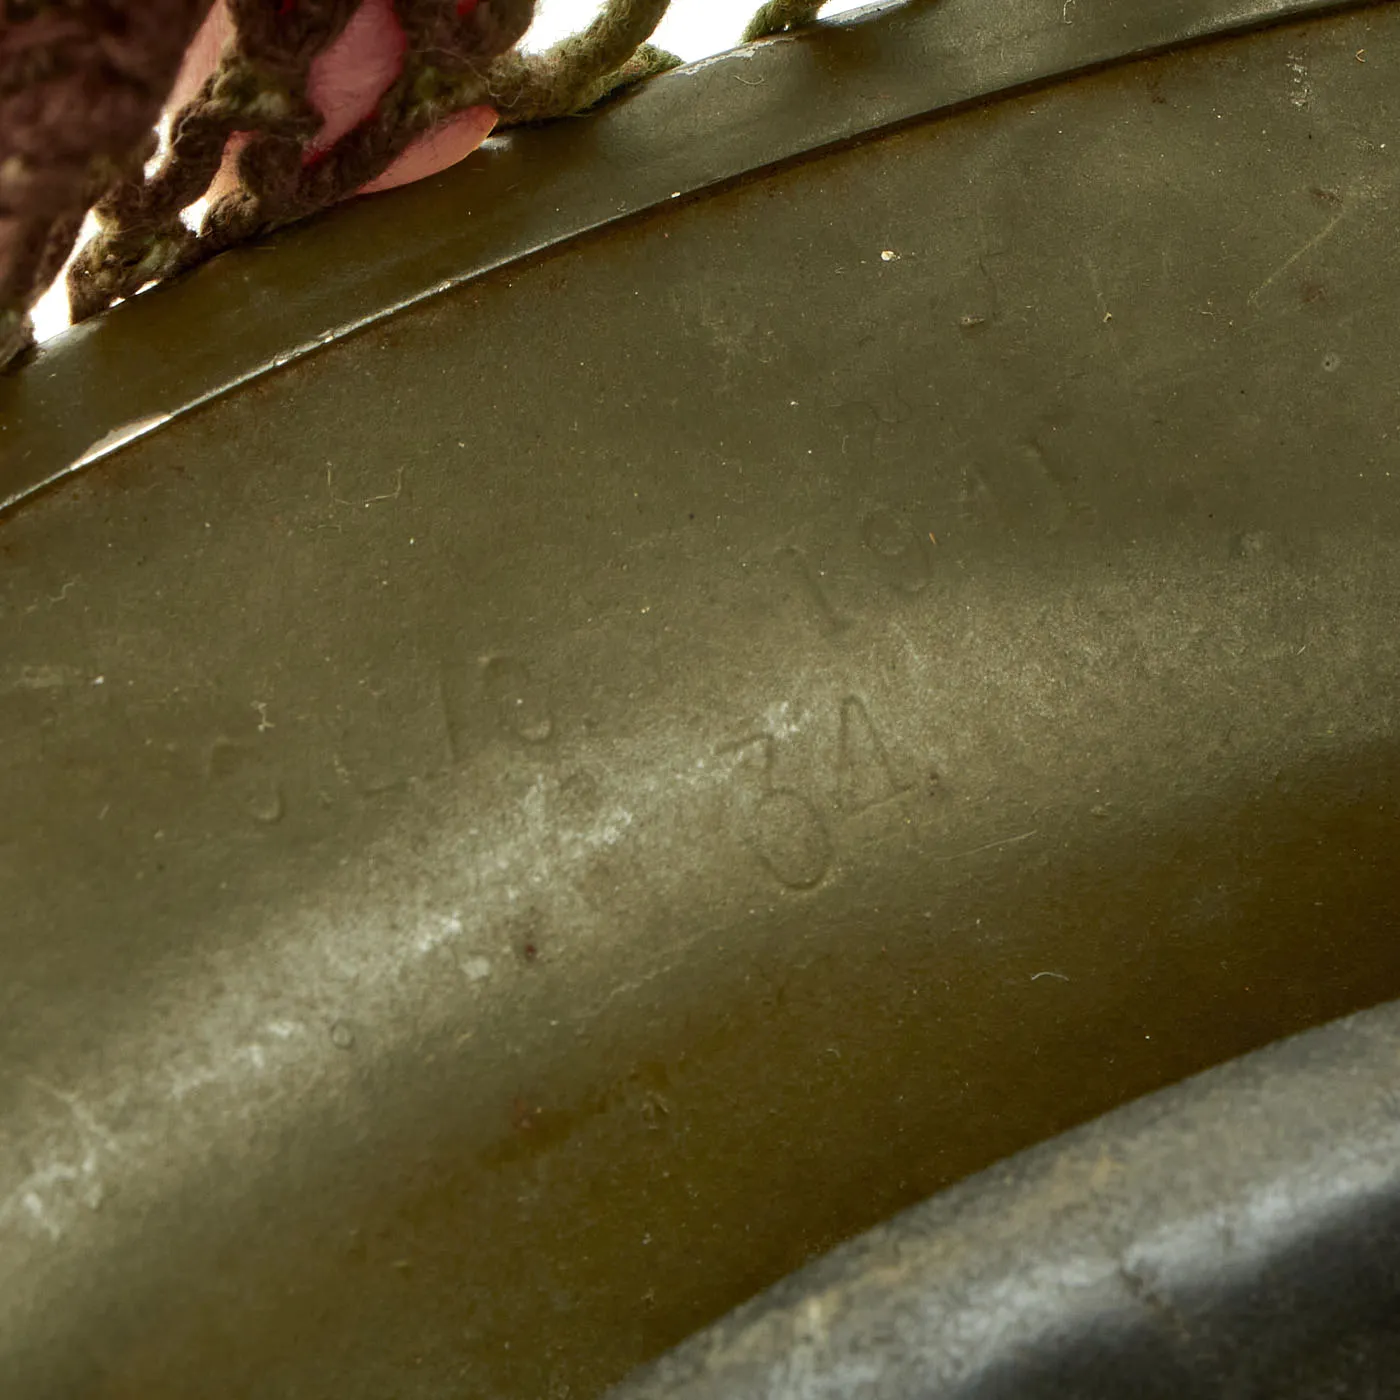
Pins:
<point x="112" y="380"/>
<point x="1251" y="1209"/>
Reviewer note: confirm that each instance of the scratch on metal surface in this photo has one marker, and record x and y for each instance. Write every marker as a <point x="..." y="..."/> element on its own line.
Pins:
<point x="1302" y="252"/>
<point x="991" y="846"/>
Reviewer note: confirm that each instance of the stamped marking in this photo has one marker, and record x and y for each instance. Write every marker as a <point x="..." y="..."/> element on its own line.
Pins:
<point x="791" y="833"/>
<point x="522" y="703"/>
<point x="781" y="826"/>
<point x="241" y="769"/>
<point x="1019" y="492"/>
<point x="865" y="775"/>
<point x="809" y="583"/>
<point x="392" y="735"/>
<point x="504" y="688"/>
<point x="902" y="555"/>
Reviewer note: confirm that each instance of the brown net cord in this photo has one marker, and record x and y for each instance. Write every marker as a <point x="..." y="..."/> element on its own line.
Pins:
<point x="82" y="83"/>
<point x="81" y="87"/>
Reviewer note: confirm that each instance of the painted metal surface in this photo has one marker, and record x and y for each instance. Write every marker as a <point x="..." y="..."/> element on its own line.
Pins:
<point x="524" y="826"/>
